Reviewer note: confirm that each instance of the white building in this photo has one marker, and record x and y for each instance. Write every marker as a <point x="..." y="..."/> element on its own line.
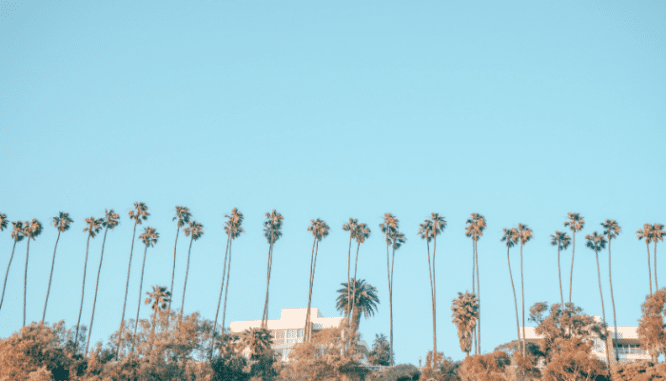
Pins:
<point x="626" y="342"/>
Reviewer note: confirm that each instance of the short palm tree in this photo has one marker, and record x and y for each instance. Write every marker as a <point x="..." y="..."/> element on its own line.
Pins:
<point x="272" y="232"/>
<point x="658" y="234"/>
<point x="394" y="239"/>
<point x="258" y="340"/>
<point x="524" y="236"/>
<point x="110" y="221"/>
<point x="183" y="217"/>
<point x="465" y="313"/>
<point x="31" y="229"/>
<point x="138" y="215"/>
<point x="194" y="231"/>
<point x="158" y="299"/>
<point x="562" y="241"/>
<point x="62" y="223"/>
<point x="319" y="230"/>
<point x="365" y="297"/>
<point x="510" y="238"/>
<point x="93" y="226"/>
<point x="646" y="233"/>
<point x="476" y="224"/>
<point x="429" y="230"/>
<point x="17" y="236"/>
<point x="576" y="223"/>
<point x="597" y="242"/>
<point x="612" y="230"/>
<point x="350" y="227"/>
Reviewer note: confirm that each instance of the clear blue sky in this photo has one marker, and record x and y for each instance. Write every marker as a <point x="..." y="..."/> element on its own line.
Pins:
<point x="521" y="111"/>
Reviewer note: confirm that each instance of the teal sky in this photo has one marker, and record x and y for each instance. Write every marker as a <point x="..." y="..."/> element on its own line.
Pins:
<point x="521" y="111"/>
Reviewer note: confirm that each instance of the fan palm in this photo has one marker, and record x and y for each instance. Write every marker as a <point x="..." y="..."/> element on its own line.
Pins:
<point x="429" y="230"/>
<point x="612" y="230"/>
<point x="476" y="224"/>
<point x="319" y="230"/>
<point x="149" y="238"/>
<point x="17" y="236"/>
<point x="31" y="229"/>
<point x="138" y="215"/>
<point x="3" y="221"/>
<point x="658" y="234"/>
<point x="158" y="299"/>
<point x="576" y="223"/>
<point x="597" y="242"/>
<point x="510" y="238"/>
<point x="365" y="299"/>
<point x="109" y="221"/>
<point x="182" y="216"/>
<point x="93" y="226"/>
<point x="194" y="231"/>
<point x="258" y="340"/>
<point x="62" y="223"/>
<point x="562" y="241"/>
<point x="235" y="225"/>
<point x="646" y="233"/>
<point x="465" y="313"/>
<point x="394" y="239"/>
<point x="350" y="227"/>
<point x="272" y="232"/>
<point x="360" y="235"/>
<point x="524" y="236"/>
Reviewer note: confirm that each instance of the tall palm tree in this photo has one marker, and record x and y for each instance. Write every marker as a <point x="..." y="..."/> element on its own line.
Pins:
<point x="395" y="239"/>
<point x="149" y="238"/>
<point x="646" y="233"/>
<point x="194" y="231"/>
<point x="562" y="241"/>
<point x="524" y="235"/>
<point x="476" y="224"/>
<point x="17" y="236"/>
<point x="93" y="226"/>
<point x="62" y="223"/>
<point x="158" y="299"/>
<point x="272" y="232"/>
<point x="576" y="223"/>
<point x="183" y="216"/>
<point x="429" y="230"/>
<point x="138" y="215"/>
<point x="110" y="221"/>
<point x="658" y="234"/>
<point x="319" y="230"/>
<point x="597" y="242"/>
<point x="612" y="230"/>
<point x="31" y="229"/>
<point x="360" y="235"/>
<point x="366" y="301"/>
<point x="350" y="227"/>
<point x="465" y="314"/>
<point x="233" y="229"/>
<point x="510" y="238"/>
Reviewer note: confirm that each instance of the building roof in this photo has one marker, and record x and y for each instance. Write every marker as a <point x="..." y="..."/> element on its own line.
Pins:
<point x="290" y="318"/>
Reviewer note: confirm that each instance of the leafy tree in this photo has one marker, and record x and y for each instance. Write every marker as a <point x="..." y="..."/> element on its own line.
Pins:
<point x="394" y="238"/>
<point x="612" y="230"/>
<point x="597" y="242"/>
<point x="62" y="223"/>
<point x="524" y="236"/>
<point x="272" y="232"/>
<point x="31" y="230"/>
<point x="439" y="368"/>
<point x="402" y="372"/>
<point x="562" y="241"/>
<point x="319" y="230"/>
<point x="651" y="326"/>
<point x="488" y="367"/>
<point x="510" y="238"/>
<point x="93" y="227"/>
<point x="576" y="223"/>
<point x="381" y="351"/>
<point x="182" y="218"/>
<point x="194" y="231"/>
<point x="17" y="236"/>
<point x="646" y="233"/>
<point x="465" y="309"/>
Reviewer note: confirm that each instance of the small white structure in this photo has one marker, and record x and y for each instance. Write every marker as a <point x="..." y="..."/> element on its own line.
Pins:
<point x="626" y="342"/>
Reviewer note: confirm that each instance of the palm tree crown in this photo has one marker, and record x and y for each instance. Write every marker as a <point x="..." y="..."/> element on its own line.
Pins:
<point x="111" y="219"/>
<point x="61" y="222"/>
<point x="258" y="340"/>
<point x="351" y="226"/>
<point x="32" y="229"/>
<point x="195" y="229"/>
<point x="3" y="221"/>
<point x="362" y="233"/>
<point x="93" y="226"/>
<point x="150" y="236"/>
<point x="140" y="213"/>
<point x="17" y="231"/>
<point x="476" y="224"/>
<point x="365" y="300"/>
<point x="510" y="237"/>
<point x="319" y="229"/>
<point x="560" y="239"/>
<point x="183" y="216"/>
<point x="596" y="241"/>
<point x="233" y="224"/>
<point x="464" y="310"/>
<point x="158" y="298"/>
<point x="576" y="223"/>
<point x="273" y="226"/>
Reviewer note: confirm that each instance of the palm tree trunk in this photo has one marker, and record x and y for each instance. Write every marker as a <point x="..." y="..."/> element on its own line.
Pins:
<point x="610" y="278"/>
<point x="122" y="320"/>
<point x="226" y="287"/>
<point x="187" y="271"/>
<point x="2" y="298"/>
<point x="48" y="289"/>
<point x="92" y="316"/>
<point x="83" y="288"/>
<point x="559" y="274"/>
<point x="656" y="282"/>
<point x="474" y="342"/>
<point x="522" y="295"/>
<point x="391" y="302"/>
<point x="647" y="244"/>
<point x="152" y="328"/>
<point x="432" y="296"/>
<point x="314" y="267"/>
<point x="349" y="311"/>
<point x="603" y="311"/>
<point x="353" y="306"/>
<point x="25" y="278"/>
<point x="307" y="313"/>
<point x="173" y="273"/>
<point x="478" y="291"/>
<point x="136" y="324"/>
<point x="573" y="253"/>
<point x="515" y="300"/>
<point x="268" y="292"/>
<point x="264" y="315"/>
<point x="219" y="300"/>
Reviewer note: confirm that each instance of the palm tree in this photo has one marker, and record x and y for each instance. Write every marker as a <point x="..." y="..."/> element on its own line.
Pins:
<point x="612" y="230"/>
<point x="258" y="340"/>
<point x="361" y="233"/>
<point x="524" y="235"/>
<point x="61" y="222"/>
<point x="149" y="238"/>
<point x="562" y="241"/>
<point x="365" y="297"/>
<point x="576" y="223"/>
<point x="465" y="310"/>
<point x="646" y="233"/>
<point x="183" y="216"/>
<point x="395" y="239"/>
<point x="476" y="224"/>
<point x="3" y="221"/>
<point x="93" y="226"/>
<point x="272" y="232"/>
<point x="429" y="230"/>
<point x="31" y="230"/>
<point x="194" y="231"/>
<point x="350" y="227"/>
<point x="158" y="299"/>
<point x="658" y="234"/>
<point x="109" y="221"/>
<point x="138" y="215"/>
<point x="597" y="242"/>
<point x="511" y="237"/>
<point x="319" y="230"/>
<point x="233" y="229"/>
<point x="17" y="236"/>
